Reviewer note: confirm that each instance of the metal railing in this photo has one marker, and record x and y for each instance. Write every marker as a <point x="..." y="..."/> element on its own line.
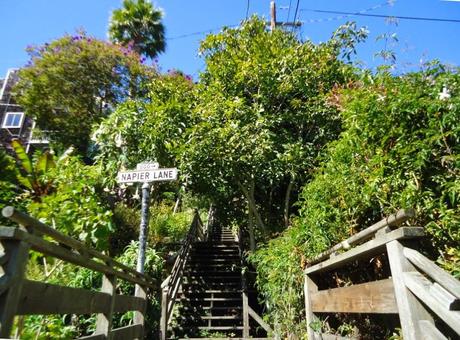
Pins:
<point x="418" y="290"/>
<point x="20" y="296"/>
<point x="171" y="285"/>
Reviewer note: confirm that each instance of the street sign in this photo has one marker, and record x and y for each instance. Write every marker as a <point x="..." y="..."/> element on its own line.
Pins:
<point x="147" y="166"/>
<point x="146" y="176"/>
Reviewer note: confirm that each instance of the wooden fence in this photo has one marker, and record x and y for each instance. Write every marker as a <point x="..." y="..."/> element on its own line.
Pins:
<point x="20" y="296"/>
<point x="418" y="290"/>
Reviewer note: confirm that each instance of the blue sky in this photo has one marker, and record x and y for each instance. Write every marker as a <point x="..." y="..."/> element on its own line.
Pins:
<point x="25" y="22"/>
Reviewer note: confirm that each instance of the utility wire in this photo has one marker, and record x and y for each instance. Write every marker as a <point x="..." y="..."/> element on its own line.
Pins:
<point x="386" y="3"/>
<point x="295" y="14"/>
<point x="199" y="33"/>
<point x="381" y="16"/>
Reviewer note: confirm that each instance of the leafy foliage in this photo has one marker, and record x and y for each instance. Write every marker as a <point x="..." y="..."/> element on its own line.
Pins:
<point x="399" y="149"/>
<point x="9" y="189"/>
<point x="73" y="82"/>
<point x="76" y="208"/>
<point x="33" y="174"/>
<point x="148" y="129"/>
<point x="138" y="24"/>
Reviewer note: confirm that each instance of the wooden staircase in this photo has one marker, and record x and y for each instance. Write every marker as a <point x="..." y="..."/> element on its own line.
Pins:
<point x="210" y="303"/>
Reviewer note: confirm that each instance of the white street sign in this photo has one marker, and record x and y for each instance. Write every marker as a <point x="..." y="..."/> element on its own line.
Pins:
<point x="146" y="176"/>
<point x="147" y="166"/>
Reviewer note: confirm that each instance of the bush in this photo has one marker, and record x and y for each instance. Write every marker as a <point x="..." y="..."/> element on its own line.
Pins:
<point x="400" y="148"/>
<point x="76" y="207"/>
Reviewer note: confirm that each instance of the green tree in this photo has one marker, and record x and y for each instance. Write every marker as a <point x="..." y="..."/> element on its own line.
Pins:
<point x="153" y="128"/>
<point x="261" y="118"/>
<point x="73" y="82"/>
<point x="138" y="24"/>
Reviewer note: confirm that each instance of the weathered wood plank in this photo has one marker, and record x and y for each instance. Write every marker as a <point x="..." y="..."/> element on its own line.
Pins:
<point x="420" y="287"/>
<point x="372" y="297"/>
<point x="14" y="270"/>
<point x="259" y="320"/>
<point x="45" y="298"/>
<point x="392" y="220"/>
<point x="164" y="313"/>
<point x="104" y="320"/>
<point x="245" y="315"/>
<point x="28" y="221"/>
<point x="127" y="332"/>
<point x="51" y="249"/>
<point x="124" y="303"/>
<point x="93" y="337"/>
<point x="140" y="293"/>
<point x="310" y="288"/>
<point x="430" y="332"/>
<point x="444" y="297"/>
<point x="369" y="248"/>
<point x="410" y="309"/>
<point x="432" y="270"/>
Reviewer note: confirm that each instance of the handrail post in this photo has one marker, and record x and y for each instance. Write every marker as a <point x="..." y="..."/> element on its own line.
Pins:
<point x="17" y="254"/>
<point x="164" y="312"/>
<point x="139" y="316"/>
<point x="410" y="310"/>
<point x="245" y="311"/>
<point x="104" y="320"/>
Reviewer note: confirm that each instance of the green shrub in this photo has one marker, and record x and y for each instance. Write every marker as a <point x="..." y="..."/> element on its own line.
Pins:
<point x="400" y="148"/>
<point x="76" y="207"/>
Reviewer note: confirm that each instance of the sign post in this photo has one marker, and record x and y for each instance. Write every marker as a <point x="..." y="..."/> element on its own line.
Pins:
<point x="145" y="173"/>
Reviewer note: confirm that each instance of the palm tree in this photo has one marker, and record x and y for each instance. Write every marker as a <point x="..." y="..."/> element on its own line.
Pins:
<point x="138" y="24"/>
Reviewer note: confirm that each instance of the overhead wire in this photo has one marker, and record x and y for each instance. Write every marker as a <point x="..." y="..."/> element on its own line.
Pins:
<point x="384" y="16"/>
<point x="295" y="14"/>
<point x="311" y="21"/>
<point x="247" y="10"/>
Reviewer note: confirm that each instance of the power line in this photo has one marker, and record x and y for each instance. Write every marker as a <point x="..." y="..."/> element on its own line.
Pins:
<point x="382" y="16"/>
<point x="386" y="3"/>
<point x="199" y="33"/>
<point x="295" y="13"/>
<point x="247" y="10"/>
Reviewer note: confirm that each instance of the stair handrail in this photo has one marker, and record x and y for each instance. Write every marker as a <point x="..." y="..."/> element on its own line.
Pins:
<point x="247" y="310"/>
<point x="415" y="288"/>
<point x="170" y="286"/>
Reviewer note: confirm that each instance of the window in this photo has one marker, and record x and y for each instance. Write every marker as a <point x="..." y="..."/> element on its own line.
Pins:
<point x="13" y="120"/>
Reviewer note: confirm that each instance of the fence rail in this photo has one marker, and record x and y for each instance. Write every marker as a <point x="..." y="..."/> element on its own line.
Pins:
<point x="418" y="290"/>
<point x="19" y="296"/>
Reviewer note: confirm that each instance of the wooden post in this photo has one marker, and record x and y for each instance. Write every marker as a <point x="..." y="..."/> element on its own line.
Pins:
<point x="164" y="313"/>
<point x="309" y="288"/>
<point x="139" y="316"/>
<point x="17" y="253"/>
<point x="245" y="315"/>
<point x="272" y="15"/>
<point x="104" y="320"/>
<point x="410" y="309"/>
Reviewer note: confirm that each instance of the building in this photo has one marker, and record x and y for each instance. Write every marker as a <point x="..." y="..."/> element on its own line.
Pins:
<point x="14" y="122"/>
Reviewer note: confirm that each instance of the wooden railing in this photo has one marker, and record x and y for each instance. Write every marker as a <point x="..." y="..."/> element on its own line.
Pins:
<point x="171" y="285"/>
<point x="419" y="291"/>
<point x="247" y="310"/>
<point x="20" y="296"/>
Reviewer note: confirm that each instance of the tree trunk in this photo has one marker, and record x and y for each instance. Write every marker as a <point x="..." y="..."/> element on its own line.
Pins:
<point x="252" y="239"/>
<point x="286" y="201"/>
<point x="249" y="194"/>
